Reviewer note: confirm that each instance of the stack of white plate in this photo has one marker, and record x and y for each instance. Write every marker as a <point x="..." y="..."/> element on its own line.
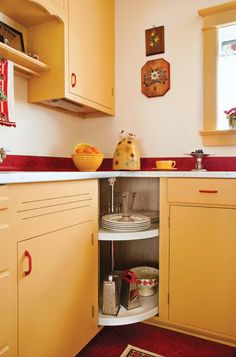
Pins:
<point x="154" y="215"/>
<point x="114" y="222"/>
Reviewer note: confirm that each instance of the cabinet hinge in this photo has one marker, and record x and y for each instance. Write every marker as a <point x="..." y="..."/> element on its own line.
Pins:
<point x="112" y="91"/>
<point x="169" y="222"/>
<point x="92" y="311"/>
<point x="168" y="299"/>
<point x="92" y="239"/>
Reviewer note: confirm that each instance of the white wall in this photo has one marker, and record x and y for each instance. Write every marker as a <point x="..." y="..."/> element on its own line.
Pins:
<point x="39" y="131"/>
<point x="164" y="126"/>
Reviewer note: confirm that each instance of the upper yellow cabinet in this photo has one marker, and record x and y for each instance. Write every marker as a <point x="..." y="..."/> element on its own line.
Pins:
<point x="75" y="44"/>
<point x="91" y="53"/>
<point x="81" y="57"/>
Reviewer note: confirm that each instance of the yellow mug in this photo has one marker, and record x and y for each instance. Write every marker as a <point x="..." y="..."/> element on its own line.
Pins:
<point x="165" y="164"/>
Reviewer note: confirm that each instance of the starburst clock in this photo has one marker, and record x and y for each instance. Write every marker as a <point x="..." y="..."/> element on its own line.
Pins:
<point x="155" y="78"/>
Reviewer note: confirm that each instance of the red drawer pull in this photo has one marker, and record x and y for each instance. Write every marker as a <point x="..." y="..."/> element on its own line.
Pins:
<point x="73" y="80"/>
<point x="208" y="191"/>
<point x="27" y="254"/>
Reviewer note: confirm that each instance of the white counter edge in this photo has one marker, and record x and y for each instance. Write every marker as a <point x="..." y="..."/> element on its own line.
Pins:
<point x="44" y="176"/>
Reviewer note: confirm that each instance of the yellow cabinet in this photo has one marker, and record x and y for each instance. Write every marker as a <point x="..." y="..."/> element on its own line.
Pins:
<point x="203" y="268"/>
<point x="91" y="52"/>
<point x="57" y="300"/>
<point x="75" y="44"/>
<point x="197" y="257"/>
<point x="80" y="53"/>
<point x="50" y="291"/>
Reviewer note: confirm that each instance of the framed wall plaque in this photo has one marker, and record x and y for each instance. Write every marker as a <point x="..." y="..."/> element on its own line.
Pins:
<point x="154" y="38"/>
<point x="11" y="37"/>
<point x="155" y="77"/>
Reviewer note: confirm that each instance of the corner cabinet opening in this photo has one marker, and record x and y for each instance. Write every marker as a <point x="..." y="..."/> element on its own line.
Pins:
<point x="125" y="250"/>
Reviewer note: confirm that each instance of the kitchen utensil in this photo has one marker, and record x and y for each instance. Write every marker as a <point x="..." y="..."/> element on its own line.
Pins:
<point x="138" y="223"/>
<point x="111" y="295"/>
<point x="153" y="215"/>
<point x="127" y="205"/>
<point x="129" y="291"/>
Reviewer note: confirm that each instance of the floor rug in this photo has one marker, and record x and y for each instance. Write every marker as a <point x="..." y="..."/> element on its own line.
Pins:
<point x="132" y="351"/>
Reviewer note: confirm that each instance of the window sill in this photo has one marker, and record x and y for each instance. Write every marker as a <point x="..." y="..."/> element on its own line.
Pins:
<point x="219" y="137"/>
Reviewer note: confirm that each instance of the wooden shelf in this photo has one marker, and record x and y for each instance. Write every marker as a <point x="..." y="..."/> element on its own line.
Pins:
<point x="148" y="309"/>
<point x="23" y="64"/>
<point x="107" y="235"/>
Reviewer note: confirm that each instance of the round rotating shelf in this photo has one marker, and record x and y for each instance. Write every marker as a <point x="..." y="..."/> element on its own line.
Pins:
<point x="107" y="235"/>
<point x="148" y="309"/>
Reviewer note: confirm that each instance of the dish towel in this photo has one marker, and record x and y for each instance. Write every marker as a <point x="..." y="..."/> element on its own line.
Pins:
<point x="6" y="93"/>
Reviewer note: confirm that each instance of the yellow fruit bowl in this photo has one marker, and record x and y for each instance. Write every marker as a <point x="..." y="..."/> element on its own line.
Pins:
<point x="87" y="162"/>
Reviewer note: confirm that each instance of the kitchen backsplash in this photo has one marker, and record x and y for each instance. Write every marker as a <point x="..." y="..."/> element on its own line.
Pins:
<point x="47" y="163"/>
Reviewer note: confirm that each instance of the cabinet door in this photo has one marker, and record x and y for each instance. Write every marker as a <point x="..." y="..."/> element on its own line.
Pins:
<point x="202" y="282"/>
<point x="91" y="51"/>
<point x="57" y="300"/>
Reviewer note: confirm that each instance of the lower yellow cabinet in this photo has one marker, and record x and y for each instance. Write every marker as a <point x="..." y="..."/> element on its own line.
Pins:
<point x="197" y="257"/>
<point x="57" y="292"/>
<point x="54" y="269"/>
<point x="203" y="268"/>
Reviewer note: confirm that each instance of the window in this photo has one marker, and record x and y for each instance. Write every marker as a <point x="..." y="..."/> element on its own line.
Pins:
<point x="226" y="74"/>
<point x="219" y="35"/>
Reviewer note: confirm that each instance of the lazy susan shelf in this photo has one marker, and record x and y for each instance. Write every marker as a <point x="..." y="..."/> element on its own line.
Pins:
<point x="107" y="235"/>
<point x="148" y="309"/>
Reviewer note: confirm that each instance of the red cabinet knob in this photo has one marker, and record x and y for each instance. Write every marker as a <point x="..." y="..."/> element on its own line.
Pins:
<point x="73" y="80"/>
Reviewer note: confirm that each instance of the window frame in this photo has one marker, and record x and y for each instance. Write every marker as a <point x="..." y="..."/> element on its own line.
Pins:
<point x="214" y="17"/>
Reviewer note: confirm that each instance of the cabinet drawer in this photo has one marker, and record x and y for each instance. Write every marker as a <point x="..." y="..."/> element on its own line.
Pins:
<point x="41" y="208"/>
<point x="205" y="191"/>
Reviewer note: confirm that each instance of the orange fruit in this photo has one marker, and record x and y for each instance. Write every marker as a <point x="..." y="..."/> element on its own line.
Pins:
<point x="86" y="148"/>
